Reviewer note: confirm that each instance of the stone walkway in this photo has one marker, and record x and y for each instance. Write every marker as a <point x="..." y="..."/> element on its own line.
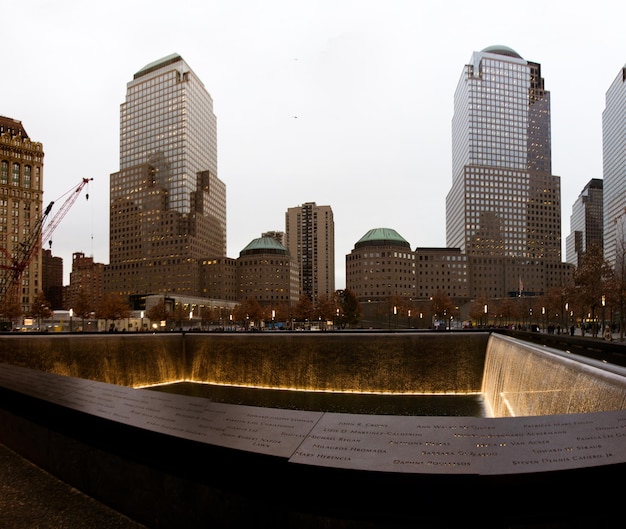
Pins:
<point x="30" y="498"/>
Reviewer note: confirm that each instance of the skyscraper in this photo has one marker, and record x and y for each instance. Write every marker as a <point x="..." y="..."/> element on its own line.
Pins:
<point x="168" y="207"/>
<point x="614" y="169"/>
<point x="585" y="222"/>
<point x="310" y="238"/>
<point x="21" y="189"/>
<point x="503" y="209"/>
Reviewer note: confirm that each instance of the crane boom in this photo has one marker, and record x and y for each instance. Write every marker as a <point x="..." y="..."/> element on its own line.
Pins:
<point x="65" y="207"/>
<point x="27" y="248"/>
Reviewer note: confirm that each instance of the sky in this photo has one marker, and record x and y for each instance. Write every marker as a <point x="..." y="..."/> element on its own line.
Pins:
<point x="345" y="103"/>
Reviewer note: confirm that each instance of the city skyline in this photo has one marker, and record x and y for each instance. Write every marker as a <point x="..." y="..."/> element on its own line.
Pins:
<point x="347" y="104"/>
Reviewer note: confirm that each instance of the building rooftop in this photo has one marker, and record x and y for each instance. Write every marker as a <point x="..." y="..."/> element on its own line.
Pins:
<point x="502" y="50"/>
<point x="169" y="59"/>
<point x="382" y="237"/>
<point x="12" y="127"/>
<point x="264" y="245"/>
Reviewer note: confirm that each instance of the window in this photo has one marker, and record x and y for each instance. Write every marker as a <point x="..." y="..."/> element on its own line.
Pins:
<point x="27" y="175"/>
<point x="15" y="176"/>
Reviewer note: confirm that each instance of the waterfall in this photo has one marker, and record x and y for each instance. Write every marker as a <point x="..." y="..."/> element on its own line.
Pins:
<point x="523" y="379"/>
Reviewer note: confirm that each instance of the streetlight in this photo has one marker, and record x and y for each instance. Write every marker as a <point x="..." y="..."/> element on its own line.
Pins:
<point x="71" y="316"/>
<point x="408" y="314"/>
<point x="486" y="309"/>
<point x="603" y="308"/>
<point x="142" y="314"/>
<point x="395" y="313"/>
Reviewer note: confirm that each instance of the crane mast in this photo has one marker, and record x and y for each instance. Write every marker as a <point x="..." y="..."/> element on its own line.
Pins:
<point x="21" y="259"/>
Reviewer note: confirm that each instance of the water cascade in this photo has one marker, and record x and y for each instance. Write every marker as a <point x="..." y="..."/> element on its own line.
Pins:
<point x="522" y="379"/>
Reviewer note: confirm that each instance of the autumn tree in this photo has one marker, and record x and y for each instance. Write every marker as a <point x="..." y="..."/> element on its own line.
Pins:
<point x="158" y="311"/>
<point x="442" y="306"/>
<point x="11" y="309"/>
<point x="248" y="311"/>
<point x="616" y="293"/>
<point x="507" y="311"/>
<point x="179" y="314"/>
<point x="349" y="308"/>
<point x="325" y="308"/>
<point x="113" y="307"/>
<point x="592" y="279"/>
<point x="40" y="308"/>
<point x="477" y="310"/>
<point x="82" y="306"/>
<point x="304" y="309"/>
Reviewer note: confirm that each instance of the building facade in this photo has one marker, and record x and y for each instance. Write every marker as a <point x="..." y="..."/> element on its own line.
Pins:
<point x="220" y="279"/>
<point x="168" y="207"/>
<point x="86" y="281"/>
<point x="310" y="238"/>
<point x="504" y="204"/>
<point x="21" y="199"/>
<point x="442" y="270"/>
<point x="52" y="279"/>
<point x="614" y="169"/>
<point x="268" y="273"/>
<point x="586" y="222"/>
<point x="381" y="267"/>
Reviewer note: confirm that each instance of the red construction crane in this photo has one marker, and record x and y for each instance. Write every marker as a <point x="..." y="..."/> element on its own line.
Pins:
<point x="19" y="261"/>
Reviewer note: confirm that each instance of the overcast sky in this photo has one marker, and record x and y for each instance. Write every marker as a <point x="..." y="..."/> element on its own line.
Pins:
<point x="342" y="103"/>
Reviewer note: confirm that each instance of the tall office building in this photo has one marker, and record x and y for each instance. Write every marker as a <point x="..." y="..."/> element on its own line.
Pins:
<point x="614" y="169"/>
<point x="168" y="207"/>
<point x="310" y="238"/>
<point x="21" y="198"/>
<point x="585" y="222"/>
<point x="504" y="205"/>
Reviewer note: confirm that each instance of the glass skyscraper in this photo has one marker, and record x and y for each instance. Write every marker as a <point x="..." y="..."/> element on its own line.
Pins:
<point x="585" y="222"/>
<point x="614" y="170"/>
<point x="504" y="203"/>
<point x="168" y="207"/>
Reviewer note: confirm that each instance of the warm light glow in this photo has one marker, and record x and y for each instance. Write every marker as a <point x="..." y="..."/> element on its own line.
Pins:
<point x="309" y="390"/>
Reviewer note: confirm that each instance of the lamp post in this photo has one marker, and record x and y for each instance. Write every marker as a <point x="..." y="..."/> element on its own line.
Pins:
<point x="408" y="317"/>
<point x="395" y="313"/>
<point x="603" y="309"/>
<point x="486" y="309"/>
<point x="142" y="315"/>
<point x="71" y="316"/>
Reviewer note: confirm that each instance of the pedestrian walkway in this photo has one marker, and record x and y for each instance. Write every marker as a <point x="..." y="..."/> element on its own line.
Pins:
<point x="30" y="498"/>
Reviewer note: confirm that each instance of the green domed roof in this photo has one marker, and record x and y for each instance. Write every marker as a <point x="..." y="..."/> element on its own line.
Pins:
<point x="502" y="50"/>
<point x="264" y="245"/>
<point x="382" y="237"/>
